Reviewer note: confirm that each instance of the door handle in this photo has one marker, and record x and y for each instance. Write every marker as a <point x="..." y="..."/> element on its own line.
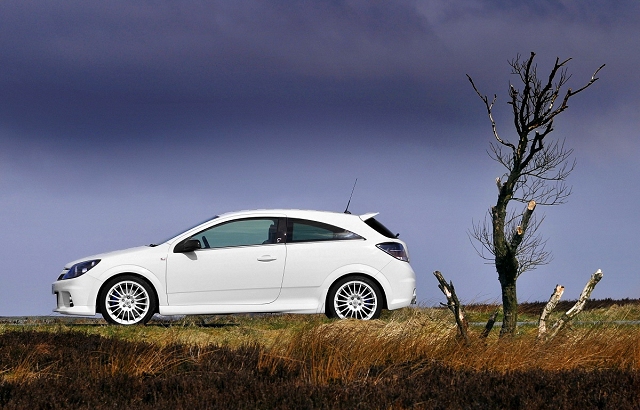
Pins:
<point x="266" y="258"/>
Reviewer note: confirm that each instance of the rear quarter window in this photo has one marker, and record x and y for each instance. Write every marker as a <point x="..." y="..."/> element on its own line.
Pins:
<point x="300" y="230"/>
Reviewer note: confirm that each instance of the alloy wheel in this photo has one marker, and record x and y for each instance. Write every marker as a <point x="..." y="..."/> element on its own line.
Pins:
<point x="355" y="300"/>
<point x="127" y="302"/>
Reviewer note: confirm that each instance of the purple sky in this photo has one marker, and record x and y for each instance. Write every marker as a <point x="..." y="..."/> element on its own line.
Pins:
<point x="126" y="121"/>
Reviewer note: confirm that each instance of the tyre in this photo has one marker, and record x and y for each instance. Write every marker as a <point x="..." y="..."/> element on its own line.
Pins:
<point x="127" y="300"/>
<point x="355" y="297"/>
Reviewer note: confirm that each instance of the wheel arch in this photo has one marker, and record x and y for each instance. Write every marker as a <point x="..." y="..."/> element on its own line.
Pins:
<point x="121" y="274"/>
<point x="356" y="274"/>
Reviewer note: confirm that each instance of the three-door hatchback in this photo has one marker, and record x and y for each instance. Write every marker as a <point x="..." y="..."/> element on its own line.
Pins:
<point x="292" y="261"/>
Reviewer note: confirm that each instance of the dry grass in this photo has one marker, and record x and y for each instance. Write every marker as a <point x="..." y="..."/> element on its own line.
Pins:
<point x="410" y="358"/>
<point x="322" y="350"/>
<point x="348" y="350"/>
<point x="140" y="360"/>
<point x="28" y="367"/>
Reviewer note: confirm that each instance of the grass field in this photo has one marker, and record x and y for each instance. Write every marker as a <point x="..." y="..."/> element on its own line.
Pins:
<point x="411" y="358"/>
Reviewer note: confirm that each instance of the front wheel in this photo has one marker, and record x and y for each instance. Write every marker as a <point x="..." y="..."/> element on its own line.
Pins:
<point x="127" y="300"/>
<point x="355" y="297"/>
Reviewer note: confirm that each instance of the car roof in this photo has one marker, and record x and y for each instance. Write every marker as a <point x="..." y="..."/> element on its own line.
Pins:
<point x="354" y="223"/>
<point x="297" y="213"/>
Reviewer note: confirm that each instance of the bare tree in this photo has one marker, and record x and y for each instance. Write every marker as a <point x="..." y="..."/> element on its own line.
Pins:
<point x="536" y="171"/>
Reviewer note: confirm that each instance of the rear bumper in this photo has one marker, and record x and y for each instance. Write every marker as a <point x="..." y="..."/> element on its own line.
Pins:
<point x="403" y="282"/>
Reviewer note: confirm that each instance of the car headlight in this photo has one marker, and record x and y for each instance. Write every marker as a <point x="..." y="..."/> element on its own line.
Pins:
<point x="79" y="269"/>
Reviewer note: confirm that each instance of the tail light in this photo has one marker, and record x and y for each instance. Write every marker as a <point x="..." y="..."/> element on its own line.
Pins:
<point x="394" y="249"/>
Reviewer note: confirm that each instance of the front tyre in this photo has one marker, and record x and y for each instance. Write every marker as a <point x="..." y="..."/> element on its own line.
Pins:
<point x="127" y="300"/>
<point x="355" y="297"/>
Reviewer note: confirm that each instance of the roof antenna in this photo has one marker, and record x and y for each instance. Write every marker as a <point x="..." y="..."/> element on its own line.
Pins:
<point x="346" y="210"/>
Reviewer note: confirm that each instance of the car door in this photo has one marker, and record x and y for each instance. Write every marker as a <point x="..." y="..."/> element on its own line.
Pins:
<point x="314" y="250"/>
<point x="240" y="262"/>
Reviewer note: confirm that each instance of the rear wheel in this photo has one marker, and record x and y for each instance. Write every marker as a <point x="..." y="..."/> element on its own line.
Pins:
<point x="355" y="297"/>
<point x="127" y="300"/>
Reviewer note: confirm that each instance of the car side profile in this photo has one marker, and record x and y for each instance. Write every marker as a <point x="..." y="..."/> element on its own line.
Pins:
<point x="288" y="261"/>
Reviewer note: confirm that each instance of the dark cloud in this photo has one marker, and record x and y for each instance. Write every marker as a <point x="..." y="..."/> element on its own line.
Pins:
<point x="597" y="13"/>
<point x="134" y="67"/>
<point x="190" y="47"/>
<point x="80" y="63"/>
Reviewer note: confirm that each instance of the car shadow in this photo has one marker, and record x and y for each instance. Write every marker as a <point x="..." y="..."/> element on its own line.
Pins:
<point x="192" y="324"/>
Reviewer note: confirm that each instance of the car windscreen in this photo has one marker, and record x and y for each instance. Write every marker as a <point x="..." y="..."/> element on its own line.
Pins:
<point x="183" y="231"/>
<point x="380" y="228"/>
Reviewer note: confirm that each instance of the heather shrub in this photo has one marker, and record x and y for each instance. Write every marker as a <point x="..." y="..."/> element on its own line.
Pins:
<point x="70" y="369"/>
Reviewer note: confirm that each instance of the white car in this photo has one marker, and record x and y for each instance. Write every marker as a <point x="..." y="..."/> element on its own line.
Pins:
<point x="289" y="261"/>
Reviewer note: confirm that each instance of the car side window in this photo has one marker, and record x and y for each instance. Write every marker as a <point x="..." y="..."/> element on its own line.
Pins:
<point x="244" y="232"/>
<point x="300" y="230"/>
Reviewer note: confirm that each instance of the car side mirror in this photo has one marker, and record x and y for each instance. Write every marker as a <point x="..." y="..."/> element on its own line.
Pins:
<point x="190" y="246"/>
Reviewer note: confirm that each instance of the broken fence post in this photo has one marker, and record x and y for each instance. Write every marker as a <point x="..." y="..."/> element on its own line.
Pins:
<point x="454" y="305"/>
<point x="490" y="323"/>
<point x="577" y="308"/>
<point x="551" y="304"/>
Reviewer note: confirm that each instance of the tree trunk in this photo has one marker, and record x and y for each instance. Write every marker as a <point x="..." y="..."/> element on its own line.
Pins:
<point x="509" y="308"/>
<point x="506" y="261"/>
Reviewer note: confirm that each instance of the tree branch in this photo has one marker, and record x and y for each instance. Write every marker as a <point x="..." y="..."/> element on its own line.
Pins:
<point x="516" y="239"/>
<point x="489" y="108"/>
<point x="593" y="80"/>
<point x="524" y="105"/>
<point x="571" y="93"/>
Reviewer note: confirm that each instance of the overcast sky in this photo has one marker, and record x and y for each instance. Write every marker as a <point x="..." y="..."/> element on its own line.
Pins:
<point x="122" y="122"/>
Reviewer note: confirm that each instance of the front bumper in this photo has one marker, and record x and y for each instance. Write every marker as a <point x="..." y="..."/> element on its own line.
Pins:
<point x="76" y="296"/>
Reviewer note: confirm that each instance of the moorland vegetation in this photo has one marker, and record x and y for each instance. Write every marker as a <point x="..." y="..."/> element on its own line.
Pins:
<point x="411" y="358"/>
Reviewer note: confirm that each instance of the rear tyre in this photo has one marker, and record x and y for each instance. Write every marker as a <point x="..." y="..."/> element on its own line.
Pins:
<point x="127" y="300"/>
<point x="355" y="297"/>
